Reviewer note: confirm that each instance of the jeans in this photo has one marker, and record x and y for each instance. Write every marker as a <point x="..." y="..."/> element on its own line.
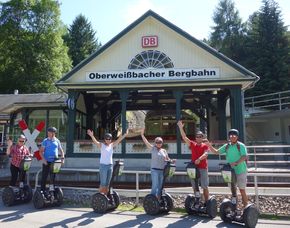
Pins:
<point x="157" y="179"/>
<point x="106" y="172"/>
<point x="45" y="171"/>
<point x="15" y="171"/>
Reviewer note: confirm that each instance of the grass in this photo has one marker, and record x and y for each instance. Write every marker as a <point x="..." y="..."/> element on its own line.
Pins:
<point x="128" y="207"/>
<point x="139" y="208"/>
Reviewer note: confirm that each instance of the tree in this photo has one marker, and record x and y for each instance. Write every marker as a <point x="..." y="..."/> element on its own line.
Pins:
<point x="268" y="49"/>
<point x="229" y="31"/>
<point x="33" y="55"/>
<point x="81" y="40"/>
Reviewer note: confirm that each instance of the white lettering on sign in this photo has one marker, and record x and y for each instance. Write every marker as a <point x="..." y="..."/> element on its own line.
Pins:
<point x="149" y="41"/>
<point x="153" y="74"/>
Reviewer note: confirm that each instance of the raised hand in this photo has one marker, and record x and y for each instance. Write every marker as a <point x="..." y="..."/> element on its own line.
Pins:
<point x="180" y="124"/>
<point x="9" y="142"/>
<point x="90" y="132"/>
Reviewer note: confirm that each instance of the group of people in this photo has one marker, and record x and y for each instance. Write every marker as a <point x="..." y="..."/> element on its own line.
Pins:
<point x="235" y="151"/>
<point x="49" y="151"/>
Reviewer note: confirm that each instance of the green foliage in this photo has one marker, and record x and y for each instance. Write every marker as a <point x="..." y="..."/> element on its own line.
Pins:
<point x="81" y="40"/>
<point x="33" y="55"/>
<point x="268" y="49"/>
<point x="229" y="31"/>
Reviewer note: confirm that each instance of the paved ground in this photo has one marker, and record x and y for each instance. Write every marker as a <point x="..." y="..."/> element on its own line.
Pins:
<point x="26" y="216"/>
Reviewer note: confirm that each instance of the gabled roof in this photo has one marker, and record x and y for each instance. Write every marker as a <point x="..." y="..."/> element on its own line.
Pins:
<point x="12" y="102"/>
<point x="151" y="13"/>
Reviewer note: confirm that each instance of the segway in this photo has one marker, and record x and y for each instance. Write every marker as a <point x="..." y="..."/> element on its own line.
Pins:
<point x="23" y="193"/>
<point x="52" y="196"/>
<point x="151" y="204"/>
<point x="102" y="203"/>
<point x="193" y="203"/>
<point x="229" y="211"/>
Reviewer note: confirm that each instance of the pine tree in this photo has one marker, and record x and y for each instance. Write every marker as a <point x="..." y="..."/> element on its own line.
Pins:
<point x="268" y="49"/>
<point x="81" y="40"/>
<point x="228" y="32"/>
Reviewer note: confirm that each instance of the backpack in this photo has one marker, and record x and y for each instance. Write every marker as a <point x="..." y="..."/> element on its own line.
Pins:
<point x="239" y="149"/>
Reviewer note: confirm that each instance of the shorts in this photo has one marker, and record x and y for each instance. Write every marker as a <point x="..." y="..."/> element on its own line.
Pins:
<point x="106" y="172"/>
<point x="242" y="180"/>
<point x="204" y="182"/>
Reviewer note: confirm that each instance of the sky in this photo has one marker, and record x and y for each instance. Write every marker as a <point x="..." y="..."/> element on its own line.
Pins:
<point x="110" y="17"/>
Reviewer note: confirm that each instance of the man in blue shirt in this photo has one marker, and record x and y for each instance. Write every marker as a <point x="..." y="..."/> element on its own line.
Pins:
<point x="49" y="150"/>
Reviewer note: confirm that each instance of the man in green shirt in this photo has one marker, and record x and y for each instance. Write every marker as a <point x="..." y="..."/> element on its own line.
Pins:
<point x="236" y="155"/>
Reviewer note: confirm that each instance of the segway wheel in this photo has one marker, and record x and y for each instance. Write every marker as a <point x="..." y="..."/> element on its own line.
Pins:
<point x="168" y="201"/>
<point x="151" y="205"/>
<point x="211" y="207"/>
<point x="189" y="201"/>
<point x="27" y="190"/>
<point x="8" y="196"/>
<point x="100" y="203"/>
<point x="58" y="195"/>
<point x="250" y="216"/>
<point x="38" y="200"/>
<point x="226" y="208"/>
<point x="116" y="199"/>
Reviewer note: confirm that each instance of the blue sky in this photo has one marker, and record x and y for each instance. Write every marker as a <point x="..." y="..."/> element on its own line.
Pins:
<point x="109" y="17"/>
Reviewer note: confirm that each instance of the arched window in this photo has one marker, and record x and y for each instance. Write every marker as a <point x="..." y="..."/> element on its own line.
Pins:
<point x="150" y="59"/>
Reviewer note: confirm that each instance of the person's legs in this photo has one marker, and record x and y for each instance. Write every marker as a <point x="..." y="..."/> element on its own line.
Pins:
<point x="105" y="177"/>
<point x="244" y="197"/>
<point x="14" y="175"/>
<point x="204" y="182"/>
<point x="44" y="175"/>
<point x="109" y="172"/>
<point x="154" y="180"/>
<point x="160" y="182"/>
<point x="242" y="183"/>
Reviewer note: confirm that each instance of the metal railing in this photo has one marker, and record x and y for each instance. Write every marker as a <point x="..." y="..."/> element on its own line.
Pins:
<point x="271" y="101"/>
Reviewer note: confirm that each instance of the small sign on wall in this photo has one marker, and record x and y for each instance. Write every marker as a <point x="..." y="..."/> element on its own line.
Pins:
<point x="149" y="41"/>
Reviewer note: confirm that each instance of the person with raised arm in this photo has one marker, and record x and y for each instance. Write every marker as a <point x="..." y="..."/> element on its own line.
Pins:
<point x="199" y="153"/>
<point x="159" y="158"/>
<point x="106" y="159"/>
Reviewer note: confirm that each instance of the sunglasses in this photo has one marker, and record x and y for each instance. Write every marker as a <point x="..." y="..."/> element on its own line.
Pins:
<point x="158" y="142"/>
<point x="21" y="141"/>
<point x="198" y="136"/>
<point x="108" y="139"/>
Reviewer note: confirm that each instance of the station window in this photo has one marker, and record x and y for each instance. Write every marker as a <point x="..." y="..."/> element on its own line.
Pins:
<point x="150" y="59"/>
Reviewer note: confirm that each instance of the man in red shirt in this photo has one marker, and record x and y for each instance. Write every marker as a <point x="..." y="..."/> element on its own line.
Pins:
<point x="198" y="156"/>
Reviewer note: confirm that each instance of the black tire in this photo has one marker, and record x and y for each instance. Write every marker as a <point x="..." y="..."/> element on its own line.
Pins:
<point x="189" y="201"/>
<point x="8" y="196"/>
<point x="58" y="196"/>
<point x="100" y="203"/>
<point x="38" y="200"/>
<point x="151" y="205"/>
<point x="168" y="201"/>
<point x="116" y="199"/>
<point x="211" y="207"/>
<point x="250" y="216"/>
<point x="226" y="207"/>
<point x="27" y="190"/>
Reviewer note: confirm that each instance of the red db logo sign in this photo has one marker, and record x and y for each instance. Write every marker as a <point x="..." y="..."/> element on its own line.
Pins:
<point x="149" y="41"/>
